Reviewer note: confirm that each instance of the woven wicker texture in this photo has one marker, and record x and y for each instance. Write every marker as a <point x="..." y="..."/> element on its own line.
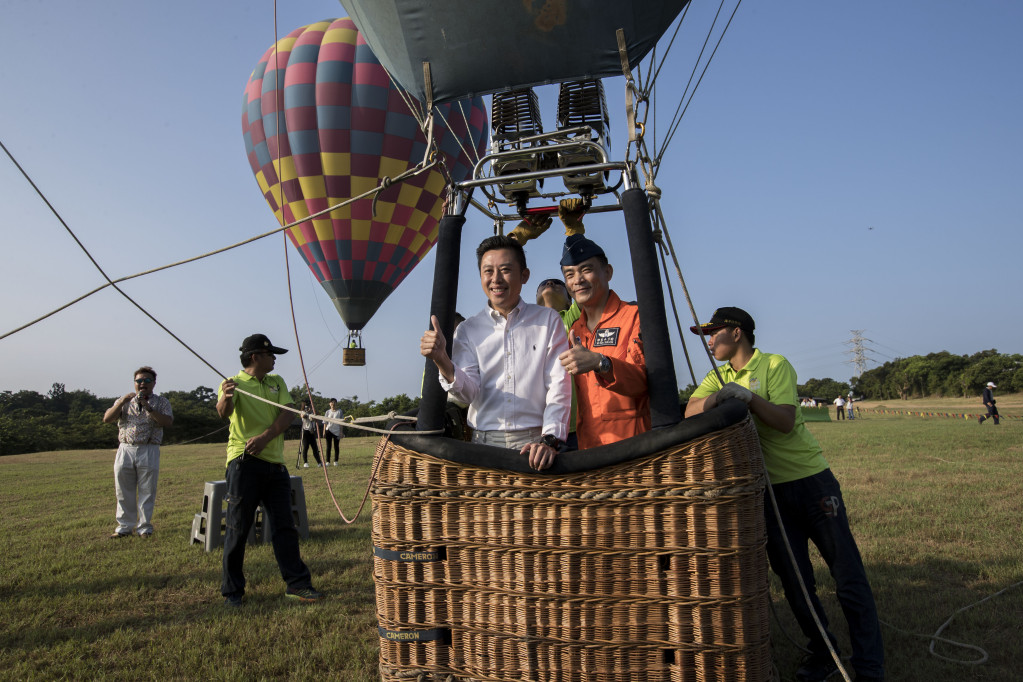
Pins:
<point x="652" y="570"/>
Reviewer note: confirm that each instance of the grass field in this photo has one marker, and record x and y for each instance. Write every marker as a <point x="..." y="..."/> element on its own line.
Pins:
<point x="935" y="505"/>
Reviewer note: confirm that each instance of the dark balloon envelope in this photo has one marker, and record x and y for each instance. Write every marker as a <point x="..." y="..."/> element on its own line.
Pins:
<point x="322" y="123"/>
<point x="476" y="47"/>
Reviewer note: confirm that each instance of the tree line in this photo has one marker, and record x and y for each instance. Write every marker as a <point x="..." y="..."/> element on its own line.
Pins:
<point x="73" y="420"/>
<point x="941" y="375"/>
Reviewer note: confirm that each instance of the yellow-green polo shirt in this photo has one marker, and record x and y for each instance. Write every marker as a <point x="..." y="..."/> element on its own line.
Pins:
<point x="787" y="456"/>
<point x="252" y="417"/>
<point x="568" y="317"/>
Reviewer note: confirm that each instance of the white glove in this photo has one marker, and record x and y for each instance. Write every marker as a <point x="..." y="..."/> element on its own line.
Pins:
<point x="734" y="390"/>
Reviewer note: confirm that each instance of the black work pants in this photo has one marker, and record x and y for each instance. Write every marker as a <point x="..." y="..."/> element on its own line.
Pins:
<point x="251" y="481"/>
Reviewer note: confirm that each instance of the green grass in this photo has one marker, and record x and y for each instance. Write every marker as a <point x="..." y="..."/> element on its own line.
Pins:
<point x="76" y="605"/>
<point x="934" y="505"/>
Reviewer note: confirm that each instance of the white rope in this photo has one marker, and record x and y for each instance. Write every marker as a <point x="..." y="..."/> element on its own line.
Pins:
<point x="379" y="188"/>
<point x="348" y="421"/>
<point x="935" y="638"/>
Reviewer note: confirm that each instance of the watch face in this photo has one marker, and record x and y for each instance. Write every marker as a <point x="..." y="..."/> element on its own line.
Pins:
<point x="551" y="441"/>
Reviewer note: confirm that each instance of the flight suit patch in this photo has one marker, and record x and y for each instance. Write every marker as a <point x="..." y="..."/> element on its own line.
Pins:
<point x="606" y="337"/>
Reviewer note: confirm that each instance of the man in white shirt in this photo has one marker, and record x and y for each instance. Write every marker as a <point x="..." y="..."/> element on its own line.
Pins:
<point x="840" y="408"/>
<point x="504" y="361"/>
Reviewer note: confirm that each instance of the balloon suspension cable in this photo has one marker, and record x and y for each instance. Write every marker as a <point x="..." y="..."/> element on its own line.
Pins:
<point x="471" y="152"/>
<point x="410" y="102"/>
<point x="658" y="219"/>
<point x="652" y="81"/>
<point x="659" y="240"/>
<point x="680" y="110"/>
<point x="634" y="99"/>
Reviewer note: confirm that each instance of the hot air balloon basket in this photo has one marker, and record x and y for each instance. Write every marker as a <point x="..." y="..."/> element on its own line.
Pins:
<point x="353" y="357"/>
<point x="650" y="569"/>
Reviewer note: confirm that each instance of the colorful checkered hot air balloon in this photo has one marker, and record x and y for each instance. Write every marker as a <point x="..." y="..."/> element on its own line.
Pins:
<point x="344" y="128"/>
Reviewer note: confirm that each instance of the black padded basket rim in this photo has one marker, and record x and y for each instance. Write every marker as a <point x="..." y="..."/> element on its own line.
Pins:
<point x="728" y="413"/>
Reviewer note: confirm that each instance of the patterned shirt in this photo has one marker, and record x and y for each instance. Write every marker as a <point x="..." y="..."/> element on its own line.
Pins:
<point x="136" y="427"/>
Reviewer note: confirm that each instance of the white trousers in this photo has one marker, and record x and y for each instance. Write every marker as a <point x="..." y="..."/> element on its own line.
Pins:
<point x="136" y="468"/>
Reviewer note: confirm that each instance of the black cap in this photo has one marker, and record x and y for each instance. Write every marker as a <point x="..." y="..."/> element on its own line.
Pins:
<point x="260" y="342"/>
<point x="727" y="317"/>
<point x="578" y="248"/>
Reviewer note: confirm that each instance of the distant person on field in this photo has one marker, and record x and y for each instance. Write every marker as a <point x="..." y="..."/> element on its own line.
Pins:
<point x="839" y="408"/>
<point x="141" y="416"/>
<point x="310" y="435"/>
<point x="256" y="472"/>
<point x="504" y="361"/>
<point x="606" y="357"/>
<point x="849" y="407"/>
<point x="988" y="398"/>
<point x="333" y="433"/>
<point x="809" y="498"/>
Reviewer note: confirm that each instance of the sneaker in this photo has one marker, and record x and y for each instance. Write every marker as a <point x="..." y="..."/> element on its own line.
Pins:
<point x="234" y="601"/>
<point x="980" y="420"/>
<point x="816" y="668"/>
<point x="306" y="465"/>
<point x="304" y="594"/>
<point x="118" y="536"/>
<point x="146" y="536"/>
<point x="334" y="463"/>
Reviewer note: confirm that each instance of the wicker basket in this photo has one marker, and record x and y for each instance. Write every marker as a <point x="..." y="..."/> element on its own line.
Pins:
<point x="353" y="357"/>
<point x="649" y="570"/>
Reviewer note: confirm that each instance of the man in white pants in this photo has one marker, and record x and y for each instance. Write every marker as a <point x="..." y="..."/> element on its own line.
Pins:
<point x="141" y="418"/>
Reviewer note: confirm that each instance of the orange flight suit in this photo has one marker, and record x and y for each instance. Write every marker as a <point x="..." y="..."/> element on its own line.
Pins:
<point x="619" y="408"/>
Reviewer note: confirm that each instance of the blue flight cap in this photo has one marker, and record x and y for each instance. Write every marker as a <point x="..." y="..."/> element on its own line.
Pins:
<point x="578" y="248"/>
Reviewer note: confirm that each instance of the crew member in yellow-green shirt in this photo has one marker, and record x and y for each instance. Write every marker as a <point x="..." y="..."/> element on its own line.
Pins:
<point x="808" y="495"/>
<point x="256" y="473"/>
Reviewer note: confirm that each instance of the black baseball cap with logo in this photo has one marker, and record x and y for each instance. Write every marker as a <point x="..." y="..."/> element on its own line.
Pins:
<point x="258" y="342"/>
<point x="727" y="317"/>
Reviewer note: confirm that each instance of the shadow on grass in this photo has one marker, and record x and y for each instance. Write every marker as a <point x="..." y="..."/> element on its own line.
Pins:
<point x="913" y="601"/>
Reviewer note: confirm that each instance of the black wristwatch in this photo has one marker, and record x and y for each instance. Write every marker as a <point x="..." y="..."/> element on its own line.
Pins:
<point x="551" y="441"/>
<point x="605" y="365"/>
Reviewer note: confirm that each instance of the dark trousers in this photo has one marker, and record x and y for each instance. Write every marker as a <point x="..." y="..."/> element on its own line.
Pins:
<point x="336" y="440"/>
<point x="992" y="413"/>
<point x="309" y="438"/>
<point x="251" y="481"/>
<point x="841" y="412"/>
<point x="812" y="510"/>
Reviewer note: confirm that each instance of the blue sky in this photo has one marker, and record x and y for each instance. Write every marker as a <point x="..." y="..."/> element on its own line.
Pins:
<point x="816" y="122"/>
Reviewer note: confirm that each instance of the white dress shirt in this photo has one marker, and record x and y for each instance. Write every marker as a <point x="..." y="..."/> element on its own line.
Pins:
<point x="507" y="370"/>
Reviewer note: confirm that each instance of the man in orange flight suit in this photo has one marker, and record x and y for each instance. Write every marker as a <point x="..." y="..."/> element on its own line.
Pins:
<point x="606" y="354"/>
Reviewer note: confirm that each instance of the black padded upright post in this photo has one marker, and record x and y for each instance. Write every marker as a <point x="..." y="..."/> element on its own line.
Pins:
<point x="445" y="295"/>
<point x="660" y="366"/>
